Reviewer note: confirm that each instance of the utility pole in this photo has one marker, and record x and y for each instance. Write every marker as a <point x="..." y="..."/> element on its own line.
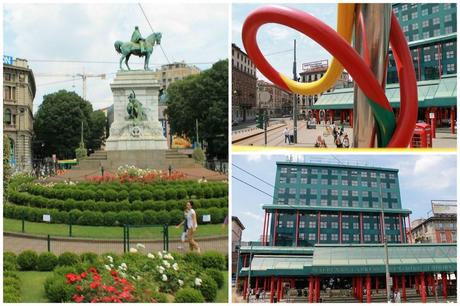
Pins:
<point x="249" y="275"/>
<point x="388" y="280"/>
<point x="196" y="128"/>
<point x="294" y="109"/>
<point x="265" y="125"/>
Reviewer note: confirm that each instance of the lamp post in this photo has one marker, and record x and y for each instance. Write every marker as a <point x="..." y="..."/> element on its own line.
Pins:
<point x="388" y="280"/>
<point x="294" y="107"/>
<point x="249" y="275"/>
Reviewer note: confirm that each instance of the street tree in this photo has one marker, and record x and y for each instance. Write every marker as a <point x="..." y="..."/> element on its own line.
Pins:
<point x="58" y="121"/>
<point x="204" y="97"/>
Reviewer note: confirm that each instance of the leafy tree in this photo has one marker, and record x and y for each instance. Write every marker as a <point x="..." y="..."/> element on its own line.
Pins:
<point x="58" y="121"/>
<point x="203" y="97"/>
<point x="97" y="128"/>
<point x="6" y="166"/>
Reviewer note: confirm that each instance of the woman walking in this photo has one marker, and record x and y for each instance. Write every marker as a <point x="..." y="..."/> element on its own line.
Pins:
<point x="192" y="225"/>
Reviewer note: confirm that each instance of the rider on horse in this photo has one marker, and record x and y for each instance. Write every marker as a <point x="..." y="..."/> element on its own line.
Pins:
<point x="137" y="38"/>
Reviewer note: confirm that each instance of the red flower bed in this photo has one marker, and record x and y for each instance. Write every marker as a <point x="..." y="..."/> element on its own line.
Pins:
<point x="93" y="287"/>
<point x="147" y="178"/>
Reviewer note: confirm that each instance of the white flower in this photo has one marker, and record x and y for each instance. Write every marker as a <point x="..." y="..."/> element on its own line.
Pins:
<point x="181" y="282"/>
<point x="123" y="266"/>
<point x="107" y="267"/>
<point x="175" y="266"/>
<point x="139" y="277"/>
<point x="167" y="264"/>
<point x="133" y="250"/>
<point x="160" y="254"/>
<point x="160" y="269"/>
<point x="164" y="278"/>
<point x="110" y="258"/>
<point x="150" y="255"/>
<point x="198" y="282"/>
<point x="140" y="246"/>
<point x="111" y="265"/>
<point x="122" y="274"/>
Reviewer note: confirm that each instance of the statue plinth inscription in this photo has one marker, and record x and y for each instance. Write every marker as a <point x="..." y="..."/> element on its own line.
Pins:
<point x="135" y="101"/>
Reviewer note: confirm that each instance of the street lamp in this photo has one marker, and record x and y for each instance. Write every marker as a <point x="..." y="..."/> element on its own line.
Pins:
<point x="388" y="280"/>
<point x="249" y="275"/>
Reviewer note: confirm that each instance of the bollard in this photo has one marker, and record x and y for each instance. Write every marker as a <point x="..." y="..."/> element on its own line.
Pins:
<point x="49" y="243"/>
<point x="70" y="226"/>
<point x="23" y="225"/>
<point x="124" y="238"/>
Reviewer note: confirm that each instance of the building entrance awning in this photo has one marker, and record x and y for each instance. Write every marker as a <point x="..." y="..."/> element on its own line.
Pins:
<point x="356" y="259"/>
<point x="433" y="93"/>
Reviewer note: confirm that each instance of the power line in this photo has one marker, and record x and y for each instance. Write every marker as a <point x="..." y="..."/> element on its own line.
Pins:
<point x="253" y="175"/>
<point x="251" y="186"/>
<point x="104" y="62"/>
<point x="57" y="82"/>
<point x="151" y="28"/>
<point x="279" y="52"/>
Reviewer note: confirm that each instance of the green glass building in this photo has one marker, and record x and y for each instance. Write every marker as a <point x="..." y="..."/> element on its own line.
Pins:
<point x="335" y="229"/>
<point x="318" y="203"/>
<point x="431" y="32"/>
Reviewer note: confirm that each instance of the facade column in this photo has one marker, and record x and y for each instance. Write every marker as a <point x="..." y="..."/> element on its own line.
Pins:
<point x="263" y="230"/>
<point x="340" y="227"/>
<point x="361" y="227"/>
<point x="331" y="115"/>
<point x="297" y="229"/>
<point x="360" y="292"/>
<point x="341" y="116"/>
<point x="282" y="288"/>
<point x="377" y="284"/>
<point x="433" y="122"/>
<point x="278" y="290"/>
<point x="417" y="287"/>
<point x="395" y="282"/>
<point x="403" y="285"/>
<point x="433" y="284"/>
<point x="423" y="288"/>
<point x="405" y="229"/>
<point x="310" y="290"/>
<point x="381" y="228"/>
<point x="257" y="285"/>
<point x="292" y="283"/>
<point x="245" y="288"/>
<point x="275" y="225"/>
<point x="353" y="287"/>
<point x="444" y="285"/>
<point x="400" y="229"/>
<point x="368" y="289"/>
<point x="319" y="226"/>
<point x="317" y="291"/>
<point x="265" y="284"/>
<point x="272" y="289"/>
<point x="452" y="120"/>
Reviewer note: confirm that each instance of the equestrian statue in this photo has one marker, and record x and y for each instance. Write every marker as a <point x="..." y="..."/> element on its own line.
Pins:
<point x="138" y="46"/>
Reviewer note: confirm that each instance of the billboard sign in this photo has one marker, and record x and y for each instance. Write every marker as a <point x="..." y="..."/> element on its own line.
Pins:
<point x="444" y="207"/>
<point x="315" y="66"/>
<point x="8" y="60"/>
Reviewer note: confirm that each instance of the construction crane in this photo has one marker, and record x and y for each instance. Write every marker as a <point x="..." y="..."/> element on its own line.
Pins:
<point x="83" y="77"/>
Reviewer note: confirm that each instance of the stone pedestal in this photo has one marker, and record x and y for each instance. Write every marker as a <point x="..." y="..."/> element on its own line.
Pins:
<point x="125" y="134"/>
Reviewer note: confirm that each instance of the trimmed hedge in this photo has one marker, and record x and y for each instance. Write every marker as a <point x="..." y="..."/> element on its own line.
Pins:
<point x="11" y="287"/>
<point x="217" y="275"/>
<point x="47" y="261"/>
<point x="97" y="218"/>
<point x="27" y="260"/>
<point x="189" y="295"/>
<point x="68" y="259"/>
<point x="208" y="288"/>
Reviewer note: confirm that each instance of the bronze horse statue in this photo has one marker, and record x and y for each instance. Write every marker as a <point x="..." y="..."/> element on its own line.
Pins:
<point x="126" y="49"/>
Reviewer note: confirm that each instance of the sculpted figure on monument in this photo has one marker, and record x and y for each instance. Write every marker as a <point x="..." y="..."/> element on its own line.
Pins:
<point x="138" y="46"/>
<point x="135" y="109"/>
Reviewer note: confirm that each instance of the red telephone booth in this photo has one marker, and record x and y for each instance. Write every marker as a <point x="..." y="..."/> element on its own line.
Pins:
<point x="422" y="137"/>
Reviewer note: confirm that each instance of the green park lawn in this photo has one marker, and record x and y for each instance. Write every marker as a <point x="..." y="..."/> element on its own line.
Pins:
<point x="32" y="286"/>
<point x="107" y="232"/>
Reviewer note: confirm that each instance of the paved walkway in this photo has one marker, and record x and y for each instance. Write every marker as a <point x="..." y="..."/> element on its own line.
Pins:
<point x="18" y="242"/>
<point x="306" y="138"/>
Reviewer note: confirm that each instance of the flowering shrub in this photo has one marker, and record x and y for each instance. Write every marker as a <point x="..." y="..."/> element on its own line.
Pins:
<point x="132" y="174"/>
<point x="92" y="286"/>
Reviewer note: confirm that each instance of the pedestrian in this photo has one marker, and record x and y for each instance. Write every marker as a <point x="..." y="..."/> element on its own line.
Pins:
<point x="102" y="170"/>
<point x="341" y="130"/>
<point x="291" y="136"/>
<point x="338" y="142"/>
<point x="185" y="228"/>
<point x="169" y="170"/>
<point x="346" y="141"/>
<point x="286" y="136"/>
<point x="318" y="142"/>
<point x="192" y="225"/>
<point x="397" y="296"/>
<point x="323" y="143"/>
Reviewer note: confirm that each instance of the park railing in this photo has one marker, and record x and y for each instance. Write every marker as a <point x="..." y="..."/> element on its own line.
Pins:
<point x="150" y="244"/>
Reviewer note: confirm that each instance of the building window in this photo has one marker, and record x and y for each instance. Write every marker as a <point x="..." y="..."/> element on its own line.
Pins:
<point x="314" y="191"/>
<point x="312" y="237"/>
<point x="323" y="191"/>
<point x="323" y="182"/>
<point x="373" y="184"/>
<point x="405" y="28"/>
<point x="292" y="180"/>
<point x="312" y="224"/>
<point x="344" y="182"/>
<point x="354" y="183"/>
<point x="323" y="237"/>
<point x="7" y="117"/>
<point x="354" y="193"/>
<point x="301" y="224"/>
<point x="334" y="203"/>
<point x="437" y="32"/>
<point x="345" y="237"/>
<point x="334" y="237"/>
<point x="405" y="17"/>
<point x="450" y="54"/>
<point x="436" y="20"/>
<point x="367" y="238"/>
<point x="414" y="26"/>
<point x="314" y="171"/>
<point x="364" y="183"/>
<point x="356" y="237"/>
<point x="404" y="7"/>
<point x="355" y="225"/>
<point x="448" y="17"/>
<point x="424" y="12"/>
<point x="366" y="226"/>
<point x="450" y="67"/>
<point x="373" y="174"/>
<point x="292" y="191"/>
<point x="304" y="171"/>
<point x="345" y="225"/>
<point x="323" y="202"/>
<point x="425" y="23"/>
<point x="334" y="225"/>
<point x="426" y="35"/>
<point x="312" y="201"/>
<point x="323" y="224"/>
<point x="303" y="180"/>
<point x="290" y="224"/>
<point x="301" y="236"/>
<point x="291" y="201"/>
<point x="344" y="192"/>
<point x="415" y="37"/>
<point x="413" y="15"/>
<point x="448" y="30"/>
<point x="435" y="9"/>
<point x="283" y="170"/>
<point x="303" y="191"/>
<point x="334" y="182"/>
<point x="282" y="180"/>
<point x="314" y="181"/>
<point x="8" y="93"/>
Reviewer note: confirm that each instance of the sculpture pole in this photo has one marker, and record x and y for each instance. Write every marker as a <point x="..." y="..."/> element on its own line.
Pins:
<point x="371" y="41"/>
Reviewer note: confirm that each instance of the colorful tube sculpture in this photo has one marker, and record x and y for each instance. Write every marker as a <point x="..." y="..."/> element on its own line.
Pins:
<point x="390" y="133"/>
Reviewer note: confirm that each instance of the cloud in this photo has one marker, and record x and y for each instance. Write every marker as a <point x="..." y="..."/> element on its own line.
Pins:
<point x="253" y="216"/>
<point x="87" y="31"/>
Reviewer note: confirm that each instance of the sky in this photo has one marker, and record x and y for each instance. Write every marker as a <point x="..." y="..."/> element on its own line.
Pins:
<point x="87" y="32"/>
<point x="422" y="178"/>
<point x="274" y="38"/>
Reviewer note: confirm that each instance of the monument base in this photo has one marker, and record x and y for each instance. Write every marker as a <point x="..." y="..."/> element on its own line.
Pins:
<point x="129" y="144"/>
